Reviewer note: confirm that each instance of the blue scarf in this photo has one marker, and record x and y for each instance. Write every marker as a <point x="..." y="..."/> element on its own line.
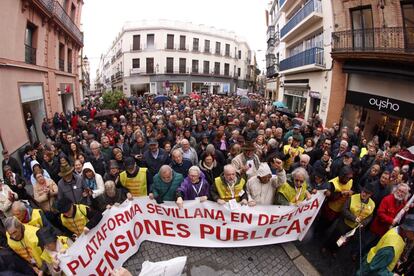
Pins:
<point x="91" y="183"/>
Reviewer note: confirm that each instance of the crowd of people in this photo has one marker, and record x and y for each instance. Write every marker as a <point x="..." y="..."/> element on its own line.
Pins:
<point x="208" y="148"/>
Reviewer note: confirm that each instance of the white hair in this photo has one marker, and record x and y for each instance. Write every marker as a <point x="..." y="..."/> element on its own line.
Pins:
<point x="194" y="169"/>
<point x="300" y="171"/>
<point x="95" y="143"/>
<point x="305" y="157"/>
<point x="229" y="167"/>
<point x="165" y="168"/>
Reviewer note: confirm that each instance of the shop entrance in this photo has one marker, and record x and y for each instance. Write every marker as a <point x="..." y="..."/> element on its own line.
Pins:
<point x="33" y="103"/>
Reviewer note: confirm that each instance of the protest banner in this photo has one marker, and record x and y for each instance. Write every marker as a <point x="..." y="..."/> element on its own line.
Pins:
<point x="122" y="230"/>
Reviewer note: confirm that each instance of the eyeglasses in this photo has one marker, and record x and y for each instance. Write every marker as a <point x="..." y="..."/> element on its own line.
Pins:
<point x="299" y="181"/>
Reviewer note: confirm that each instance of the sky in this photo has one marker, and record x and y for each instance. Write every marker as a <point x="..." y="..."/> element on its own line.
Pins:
<point x="102" y="20"/>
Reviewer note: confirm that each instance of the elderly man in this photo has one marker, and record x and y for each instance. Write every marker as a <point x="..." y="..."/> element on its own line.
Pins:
<point x="136" y="180"/>
<point x="179" y="164"/>
<point x="382" y="258"/>
<point x="194" y="186"/>
<point x="246" y="163"/>
<point x="111" y="196"/>
<point x="304" y="160"/>
<point x="97" y="158"/>
<point x="155" y="157"/>
<point x="106" y="148"/>
<point x="71" y="185"/>
<point x="261" y="189"/>
<point x="229" y="186"/>
<point x="77" y="218"/>
<point x="165" y="185"/>
<point x="295" y="191"/>
<point x="22" y="239"/>
<point x="26" y="215"/>
<point x="188" y="152"/>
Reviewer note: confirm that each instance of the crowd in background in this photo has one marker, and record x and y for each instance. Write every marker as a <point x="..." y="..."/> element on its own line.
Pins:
<point x="229" y="150"/>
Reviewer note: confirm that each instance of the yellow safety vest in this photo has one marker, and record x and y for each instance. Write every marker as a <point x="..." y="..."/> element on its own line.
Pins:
<point x="393" y="239"/>
<point x="289" y="192"/>
<point x="359" y="209"/>
<point x="364" y="151"/>
<point x="299" y="150"/>
<point x="137" y="185"/>
<point x="27" y="247"/>
<point x="36" y="219"/>
<point x="225" y="192"/>
<point x="338" y="204"/>
<point x="77" y="223"/>
<point x="46" y="256"/>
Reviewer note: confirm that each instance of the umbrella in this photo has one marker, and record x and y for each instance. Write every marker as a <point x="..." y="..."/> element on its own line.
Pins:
<point x="279" y="104"/>
<point x="299" y="121"/>
<point x="161" y="99"/>
<point x="105" y="113"/>
<point x="286" y="111"/>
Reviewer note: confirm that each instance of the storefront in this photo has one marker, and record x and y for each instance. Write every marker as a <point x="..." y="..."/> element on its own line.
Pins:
<point x="177" y="88"/>
<point x="211" y="87"/>
<point x="295" y="99"/>
<point x="66" y="95"/>
<point x="380" y="106"/>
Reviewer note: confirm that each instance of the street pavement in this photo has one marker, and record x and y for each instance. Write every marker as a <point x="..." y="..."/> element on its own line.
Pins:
<point x="259" y="260"/>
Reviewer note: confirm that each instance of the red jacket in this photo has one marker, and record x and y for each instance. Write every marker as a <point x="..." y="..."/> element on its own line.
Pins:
<point x="386" y="213"/>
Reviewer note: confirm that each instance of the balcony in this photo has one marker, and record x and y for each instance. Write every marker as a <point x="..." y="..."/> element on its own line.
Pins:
<point x="308" y="60"/>
<point x="177" y="70"/>
<point x="136" y="48"/>
<point x="270" y="35"/>
<point x="306" y="16"/>
<point x="61" y="64"/>
<point x="169" y="46"/>
<point x="271" y="71"/>
<point x="69" y="67"/>
<point x="29" y="54"/>
<point x="137" y="72"/>
<point x="118" y="53"/>
<point x="63" y="18"/>
<point x="196" y="49"/>
<point x="183" y="48"/>
<point x="391" y="43"/>
<point x="118" y="76"/>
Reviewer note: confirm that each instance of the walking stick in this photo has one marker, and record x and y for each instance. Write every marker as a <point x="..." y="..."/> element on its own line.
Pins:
<point x="360" y="251"/>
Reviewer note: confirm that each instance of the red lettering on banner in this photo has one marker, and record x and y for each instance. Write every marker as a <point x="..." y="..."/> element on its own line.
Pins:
<point x="205" y="229"/>
<point x="99" y="270"/>
<point x="119" y="242"/>
<point x="227" y="232"/>
<point x="234" y="217"/>
<point x="240" y="235"/>
<point x="274" y="232"/>
<point x="73" y="266"/>
<point x="183" y="230"/>
<point x="154" y="226"/>
<point x="131" y="238"/>
<point x="90" y="251"/>
<point x="100" y="238"/>
<point x="241" y="217"/>
<point x="294" y="226"/>
<point x="166" y="229"/>
<point x="111" y="255"/>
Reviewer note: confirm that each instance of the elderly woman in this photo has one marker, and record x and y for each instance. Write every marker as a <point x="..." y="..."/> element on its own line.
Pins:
<point x="294" y="191"/>
<point x="210" y="167"/>
<point x="93" y="182"/>
<point x="194" y="186"/>
<point x="45" y="192"/>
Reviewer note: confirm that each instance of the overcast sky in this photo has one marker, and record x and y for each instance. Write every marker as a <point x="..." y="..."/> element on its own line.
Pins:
<point x="103" y="19"/>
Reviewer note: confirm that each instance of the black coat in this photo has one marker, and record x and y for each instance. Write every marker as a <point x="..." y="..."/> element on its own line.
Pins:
<point x="14" y="164"/>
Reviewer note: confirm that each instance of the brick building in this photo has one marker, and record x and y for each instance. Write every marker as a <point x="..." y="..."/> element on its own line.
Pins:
<point x="39" y="52"/>
<point x="373" y="70"/>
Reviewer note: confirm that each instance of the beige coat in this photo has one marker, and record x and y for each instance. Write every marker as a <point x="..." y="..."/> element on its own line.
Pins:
<point x="5" y="203"/>
<point x="45" y="194"/>
<point x="264" y="194"/>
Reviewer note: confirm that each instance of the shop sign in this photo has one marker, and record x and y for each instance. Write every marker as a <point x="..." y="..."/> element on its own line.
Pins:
<point x="381" y="104"/>
<point x="294" y="92"/>
<point x="315" y="94"/>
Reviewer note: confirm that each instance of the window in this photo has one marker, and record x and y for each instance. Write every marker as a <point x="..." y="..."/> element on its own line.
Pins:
<point x="227" y="50"/>
<point x="362" y="28"/>
<point x="194" y="67"/>
<point x="235" y="52"/>
<point x="136" y="42"/>
<point x="135" y="63"/>
<point x="206" y="46"/>
<point x="61" y="57"/>
<point x="170" y="65"/>
<point x="195" y="44"/>
<point x="182" y="43"/>
<point x="150" y="41"/>
<point x="217" y="68"/>
<point x="150" y="65"/>
<point x="408" y="24"/>
<point x="170" y="41"/>
<point x="182" y="63"/>
<point x="65" y="5"/>
<point x="206" y="67"/>
<point x="226" y="69"/>
<point x="72" y="11"/>
<point x="239" y="54"/>
<point x="238" y="72"/>
<point x="218" y="46"/>
<point x="70" y="60"/>
<point x="30" y="50"/>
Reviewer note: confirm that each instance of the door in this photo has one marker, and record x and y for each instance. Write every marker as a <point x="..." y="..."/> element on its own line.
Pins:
<point x="362" y="29"/>
<point x="150" y="65"/>
<point x="408" y="24"/>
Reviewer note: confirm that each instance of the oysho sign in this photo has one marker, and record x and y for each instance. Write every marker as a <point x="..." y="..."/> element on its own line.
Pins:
<point x="382" y="104"/>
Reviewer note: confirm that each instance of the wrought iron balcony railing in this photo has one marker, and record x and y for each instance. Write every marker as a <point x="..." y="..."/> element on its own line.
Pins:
<point x="61" y="64"/>
<point x="29" y="54"/>
<point x="308" y="57"/>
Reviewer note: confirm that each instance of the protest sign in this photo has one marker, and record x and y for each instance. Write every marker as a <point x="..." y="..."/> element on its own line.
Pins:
<point x="207" y="224"/>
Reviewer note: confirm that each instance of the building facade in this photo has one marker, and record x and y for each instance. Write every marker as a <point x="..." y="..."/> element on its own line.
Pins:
<point x="373" y="49"/>
<point x="176" y="57"/>
<point x="39" y="53"/>
<point x="299" y="46"/>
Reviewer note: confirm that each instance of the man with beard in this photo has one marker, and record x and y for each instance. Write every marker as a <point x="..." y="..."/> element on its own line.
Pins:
<point x="246" y="163"/>
<point x="229" y="186"/>
<point x="386" y="213"/>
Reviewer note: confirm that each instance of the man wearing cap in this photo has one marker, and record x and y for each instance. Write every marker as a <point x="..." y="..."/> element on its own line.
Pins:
<point x="292" y="151"/>
<point x="155" y="157"/>
<point x="294" y="131"/>
<point x="77" y="218"/>
<point x="336" y="166"/>
<point x="261" y="189"/>
<point x="113" y="173"/>
<point x="137" y="180"/>
<point x="22" y="239"/>
<point x="246" y="163"/>
<point x="71" y="185"/>
<point x="382" y="258"/>
<point x="357" y="210"/>
<point x="52" y="245"/>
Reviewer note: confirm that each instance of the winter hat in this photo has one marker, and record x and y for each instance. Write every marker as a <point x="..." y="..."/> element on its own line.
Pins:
<point x="264" y="170"/>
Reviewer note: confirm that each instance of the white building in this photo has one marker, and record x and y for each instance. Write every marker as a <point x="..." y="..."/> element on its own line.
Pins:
<point x="299" y="48"/>
<point x="176" y="57"/>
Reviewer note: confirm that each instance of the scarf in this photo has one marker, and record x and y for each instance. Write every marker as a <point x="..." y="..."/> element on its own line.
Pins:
<point x="91" y="183"/>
